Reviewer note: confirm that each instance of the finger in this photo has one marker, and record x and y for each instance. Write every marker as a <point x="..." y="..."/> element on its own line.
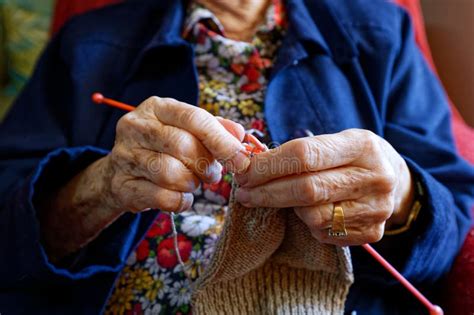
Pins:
<point x="153" y="135"/>
<point x="304" y="155"/>
<point x="355" y="237"/>
<point x="363" y="220"/>
<point x="160" y="168"/>
<point x="142" y="194"/>
<point x="237" y="130"/>
<point x="220" y="142"/>
<point x="357" y="214"/>
<point x="345" y="183"/>
<point x="189" y="150"/>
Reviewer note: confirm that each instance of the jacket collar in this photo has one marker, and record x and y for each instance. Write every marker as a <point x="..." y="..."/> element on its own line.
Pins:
<point x="315" y="24"/>
<point x="314" y="28"/>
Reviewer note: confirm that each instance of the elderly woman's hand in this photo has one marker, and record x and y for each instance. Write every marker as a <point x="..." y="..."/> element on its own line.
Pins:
<point x="162" y="151"/>
<point x="164" y="148"/>
<point x="355" y="168"/>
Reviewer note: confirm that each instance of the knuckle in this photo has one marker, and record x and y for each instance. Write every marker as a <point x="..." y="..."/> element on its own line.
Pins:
<point x="125" y="122"/>
<point x="375" y="234"/>
<point x="190" y="115"/>
<point x="157" y="165"/>
<point x="183" y="142"/>
<point x="120" y="155"/>
<point x="382" y="215"/>
<point x="300" y="150"/>
<point x="309" y="154"/>
<point x="387" y="181"/>
<point x="151" y="101"/>
<point x="183" y="146"/>
<point x="371" y="142"/>
<point x="320" y="190"/>
<point x="353" y="132"/>
<point x="387" y="207"/>
<point x="305" y="192"/>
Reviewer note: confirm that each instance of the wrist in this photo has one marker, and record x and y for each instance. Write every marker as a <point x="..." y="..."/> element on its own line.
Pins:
<point x="74" y="215"/>
<point x="99" y="175"/>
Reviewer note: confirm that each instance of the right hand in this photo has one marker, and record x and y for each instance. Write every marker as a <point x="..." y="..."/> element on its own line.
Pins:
<point x="162" y="151"/>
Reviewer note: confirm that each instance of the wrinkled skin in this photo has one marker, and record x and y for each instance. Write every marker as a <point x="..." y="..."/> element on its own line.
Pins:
<point x="163" y="150"/>
<point x="354" y="168"/>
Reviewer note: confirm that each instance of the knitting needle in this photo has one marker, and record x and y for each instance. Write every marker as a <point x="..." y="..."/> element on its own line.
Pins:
<point x="433" y="309"/>
<point x="259" y="147"/>
<point x="100" y="99"/>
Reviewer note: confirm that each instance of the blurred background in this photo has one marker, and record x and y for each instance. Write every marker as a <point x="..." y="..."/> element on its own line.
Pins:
<point x="450" y="29"/>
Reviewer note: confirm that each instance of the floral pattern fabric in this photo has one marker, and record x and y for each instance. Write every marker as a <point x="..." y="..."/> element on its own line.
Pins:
<point x="232" y="82"/>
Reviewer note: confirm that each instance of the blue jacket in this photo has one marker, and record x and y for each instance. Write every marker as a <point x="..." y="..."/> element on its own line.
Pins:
<point x="343" y="64"/>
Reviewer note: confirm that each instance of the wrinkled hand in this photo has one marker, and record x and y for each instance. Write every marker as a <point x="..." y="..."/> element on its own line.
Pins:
<point x="355" y="168"/>
<point x="164" y="148"/>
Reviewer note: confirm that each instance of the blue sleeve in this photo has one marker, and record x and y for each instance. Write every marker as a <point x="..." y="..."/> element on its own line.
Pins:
<point x="418" y="125"/>
<point x="39" y="152"/>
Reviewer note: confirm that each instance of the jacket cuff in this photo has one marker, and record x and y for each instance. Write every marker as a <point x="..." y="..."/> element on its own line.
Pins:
<point x="436" y="235"/>
<point x="426" y="251"/>
<point x="107" y="253"/>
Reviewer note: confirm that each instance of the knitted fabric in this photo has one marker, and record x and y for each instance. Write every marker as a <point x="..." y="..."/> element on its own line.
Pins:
<point x="267" y="262"/>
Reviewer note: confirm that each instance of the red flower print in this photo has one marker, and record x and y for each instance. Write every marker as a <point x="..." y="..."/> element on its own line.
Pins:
<point x="166" y="255"/>
<point x="221" y="188"/>
<point x="143" y="250"/>
<point x="258" y="124"/>
<point x="280" y="14"/>
<point x="237" y="68"/>
<point x="250" y="87"/>
<point x="202" y="35"/>
<point x="161" y="226"/>
<point x="255" y="59"/>
<point x="258" y="62"/>
<point x="252" y="73"/>
<point x="224" y="189"/>
<point x="137" y="310"/>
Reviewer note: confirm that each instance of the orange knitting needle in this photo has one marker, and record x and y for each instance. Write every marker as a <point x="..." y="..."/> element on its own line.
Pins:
<point x="100" y="99"/>
<point x="258" y="147"/>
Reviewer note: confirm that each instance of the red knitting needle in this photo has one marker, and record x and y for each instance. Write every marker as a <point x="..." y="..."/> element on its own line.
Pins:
<point x="433" y="309"/>
<point x="258" y="147"/>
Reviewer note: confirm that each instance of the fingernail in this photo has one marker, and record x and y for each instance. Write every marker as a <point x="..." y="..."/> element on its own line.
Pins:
<point x="241" y="179"/>
<point x="214" y="172"/>
<point x="240" y="162"/>
<point x="186" y="201"/>
<point x="242" y="196"/>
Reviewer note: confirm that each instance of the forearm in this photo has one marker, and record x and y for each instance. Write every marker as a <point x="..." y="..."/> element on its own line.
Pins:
<point x="73" y="216"/>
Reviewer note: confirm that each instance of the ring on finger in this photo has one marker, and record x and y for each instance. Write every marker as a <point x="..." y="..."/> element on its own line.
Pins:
<point x="338" y="226"/>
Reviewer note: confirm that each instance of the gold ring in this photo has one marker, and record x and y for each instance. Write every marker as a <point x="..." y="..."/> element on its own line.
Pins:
<point x="338" y="227"/>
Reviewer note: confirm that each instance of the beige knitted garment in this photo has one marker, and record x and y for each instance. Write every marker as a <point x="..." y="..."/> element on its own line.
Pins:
<point x="267" y="262"/>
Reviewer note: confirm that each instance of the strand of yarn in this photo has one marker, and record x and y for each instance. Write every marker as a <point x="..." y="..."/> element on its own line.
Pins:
<point x="176" y="247"/>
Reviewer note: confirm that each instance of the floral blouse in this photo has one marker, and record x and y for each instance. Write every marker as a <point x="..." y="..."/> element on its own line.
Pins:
<point x="232" y="82"/>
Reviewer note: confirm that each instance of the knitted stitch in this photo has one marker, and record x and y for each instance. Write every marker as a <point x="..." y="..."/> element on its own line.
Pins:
<point x="267" y="262"/>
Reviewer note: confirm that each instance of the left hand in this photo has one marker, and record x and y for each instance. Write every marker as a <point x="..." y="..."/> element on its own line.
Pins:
<point x="356" y="168"/>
